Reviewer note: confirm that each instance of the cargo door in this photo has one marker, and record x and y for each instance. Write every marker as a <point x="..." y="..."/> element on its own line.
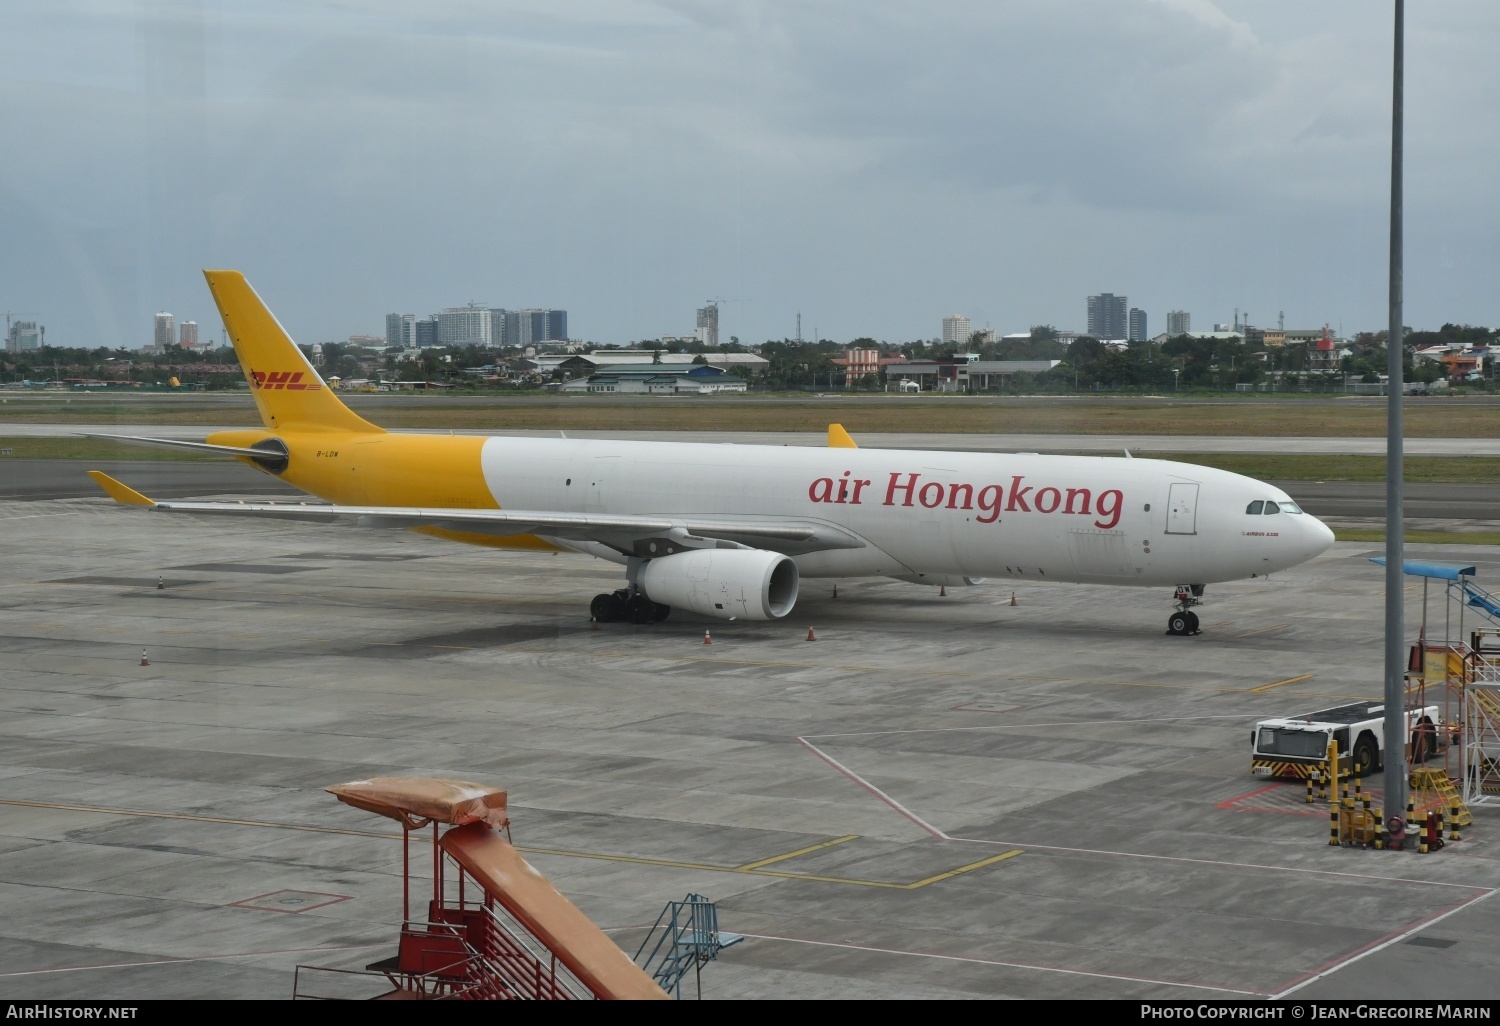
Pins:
<point x="1182" y="508"/>
<point x="1099" y="553"/>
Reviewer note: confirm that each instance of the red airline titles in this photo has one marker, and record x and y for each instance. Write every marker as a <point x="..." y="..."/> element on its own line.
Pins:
<point x="990" y="500"/>
<point x="290" y="380"/>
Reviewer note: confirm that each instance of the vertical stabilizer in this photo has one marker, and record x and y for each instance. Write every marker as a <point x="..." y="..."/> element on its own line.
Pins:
<point x="289" y="393"/>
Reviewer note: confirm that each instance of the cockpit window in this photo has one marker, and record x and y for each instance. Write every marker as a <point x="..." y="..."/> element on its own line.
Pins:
<point x="1255" y="508"/>
<point x="1289" y="507"/>
<point x="1271" y="507"/>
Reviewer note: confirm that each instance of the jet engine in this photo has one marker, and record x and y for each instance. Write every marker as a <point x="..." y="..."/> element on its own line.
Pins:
<point x="731" y="584"/>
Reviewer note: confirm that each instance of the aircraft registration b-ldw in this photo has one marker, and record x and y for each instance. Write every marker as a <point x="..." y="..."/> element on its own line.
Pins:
<point x="728" y="531"/>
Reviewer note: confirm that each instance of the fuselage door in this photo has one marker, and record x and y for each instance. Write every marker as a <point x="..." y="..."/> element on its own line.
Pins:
<point x="1182" y="508"/>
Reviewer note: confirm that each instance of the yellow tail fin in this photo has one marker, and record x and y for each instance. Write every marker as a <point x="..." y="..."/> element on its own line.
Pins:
<point x="288" y="392"/>
<point x="838" y="438"/>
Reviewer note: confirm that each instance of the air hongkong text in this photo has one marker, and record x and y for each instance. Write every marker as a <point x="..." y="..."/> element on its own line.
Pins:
<point x="990" y="500"/>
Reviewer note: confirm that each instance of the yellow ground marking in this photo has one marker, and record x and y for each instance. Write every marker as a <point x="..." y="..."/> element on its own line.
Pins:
<point x="965" y="869"/>
<point x="800" y="851"/>
<point x="177" y="632"/>
<point x="1263" y="630"/>
<point x="1279" y="683"/>
<point x="251" y="636"/>
<point x="458" y="648"/>
<point x="752" y="869"/>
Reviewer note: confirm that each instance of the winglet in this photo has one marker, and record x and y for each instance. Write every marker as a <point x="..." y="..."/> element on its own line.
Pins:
<point x="838" y="438"/>
<point x="123" y="494"/>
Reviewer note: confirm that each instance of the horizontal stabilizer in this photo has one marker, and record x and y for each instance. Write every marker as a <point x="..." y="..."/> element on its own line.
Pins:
<point x="178" y="443"/>
<point x="121" y="493"/>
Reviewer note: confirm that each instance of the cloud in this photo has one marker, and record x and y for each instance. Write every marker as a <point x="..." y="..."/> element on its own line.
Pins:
<point x="874" y="165"/>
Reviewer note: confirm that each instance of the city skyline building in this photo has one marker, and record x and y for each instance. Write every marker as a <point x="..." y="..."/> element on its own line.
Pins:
<point x="24" y="337"/>
<point x="1179" y="322"/>
<point x="425" y="333"/>
<point x="707" y="326"/>
<point x="1107" y="316"/>
<point x="535" y="324"/>
<point x="166" y="330"/>
<point x="1137" y="327"/>
<point x="401" y="330"/>
<point x="862" y="363"/>
<point x="465" y="326"/>
<point x="956" y="329"/>
<point x="187" y="334"/>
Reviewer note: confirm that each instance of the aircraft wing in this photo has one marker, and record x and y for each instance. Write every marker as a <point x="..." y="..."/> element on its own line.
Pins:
<point x="621" y="532"/>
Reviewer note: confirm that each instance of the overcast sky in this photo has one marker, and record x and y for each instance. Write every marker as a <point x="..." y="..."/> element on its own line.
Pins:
<point x="873" y="165"/>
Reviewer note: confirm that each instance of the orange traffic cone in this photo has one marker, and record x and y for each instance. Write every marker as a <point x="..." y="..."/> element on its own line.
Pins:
<point x="160" y="584"/>
<point x="593" y="623"/>
<point x="144" y="660"/>
<point x="810" y="635"/>
<point x="942" y="591"/>
<point x="706" y="639"/>
<point x="1013" y="599"/>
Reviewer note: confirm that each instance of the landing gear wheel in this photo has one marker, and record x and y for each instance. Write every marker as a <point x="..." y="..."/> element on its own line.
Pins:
<point x="662" y="612"/>
<point x="606" y="608"/>
<point x="640" y="609"/>
<point x="1192" y="622"/>
<point x="1178" y="623"/>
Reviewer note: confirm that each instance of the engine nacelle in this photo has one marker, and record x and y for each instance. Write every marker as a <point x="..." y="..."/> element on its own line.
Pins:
<point x="731" y="584"/>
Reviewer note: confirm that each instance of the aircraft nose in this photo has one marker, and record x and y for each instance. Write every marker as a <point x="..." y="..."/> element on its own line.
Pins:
<point x="1320" y="535"/>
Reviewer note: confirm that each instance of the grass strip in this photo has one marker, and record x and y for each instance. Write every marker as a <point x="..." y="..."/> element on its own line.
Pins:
<point x="859" y="413"/>
<point x="91" y="449"/>
<point x="1419" y="469"/>
<point x="1360" y="534"/>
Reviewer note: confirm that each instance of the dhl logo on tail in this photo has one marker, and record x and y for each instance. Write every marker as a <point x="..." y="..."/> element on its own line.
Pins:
<point x="289" y="380"/>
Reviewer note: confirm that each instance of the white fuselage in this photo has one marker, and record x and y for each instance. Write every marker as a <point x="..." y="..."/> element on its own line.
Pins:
<point x="1103" y="520"/>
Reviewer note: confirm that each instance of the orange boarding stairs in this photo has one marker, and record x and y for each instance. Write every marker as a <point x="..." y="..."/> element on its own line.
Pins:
<point x="501" y="930"/>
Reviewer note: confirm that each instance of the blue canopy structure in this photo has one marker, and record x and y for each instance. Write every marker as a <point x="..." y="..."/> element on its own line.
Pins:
<point x="1437" y="570"/>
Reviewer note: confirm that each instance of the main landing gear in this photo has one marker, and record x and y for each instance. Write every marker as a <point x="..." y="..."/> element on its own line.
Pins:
<point x="1183" y="620"/>
<point x="614" y="606"/>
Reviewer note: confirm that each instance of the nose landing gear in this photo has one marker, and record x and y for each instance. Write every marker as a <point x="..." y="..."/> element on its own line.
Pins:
<point x="1183" y="620"/>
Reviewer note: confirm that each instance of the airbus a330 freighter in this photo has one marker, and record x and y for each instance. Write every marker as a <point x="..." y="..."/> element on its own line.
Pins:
<point x="729" y="531"/>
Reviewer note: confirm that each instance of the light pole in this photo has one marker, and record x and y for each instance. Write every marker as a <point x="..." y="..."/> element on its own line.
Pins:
<point x="1175" y="371"/>
<point x="1395" y="628"/>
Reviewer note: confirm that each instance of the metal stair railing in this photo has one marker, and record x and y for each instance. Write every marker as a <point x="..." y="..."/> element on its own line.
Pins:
<point x="520" y="963"/>
<point x="1480" y="766"/>
<point x="686" y="936"/>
